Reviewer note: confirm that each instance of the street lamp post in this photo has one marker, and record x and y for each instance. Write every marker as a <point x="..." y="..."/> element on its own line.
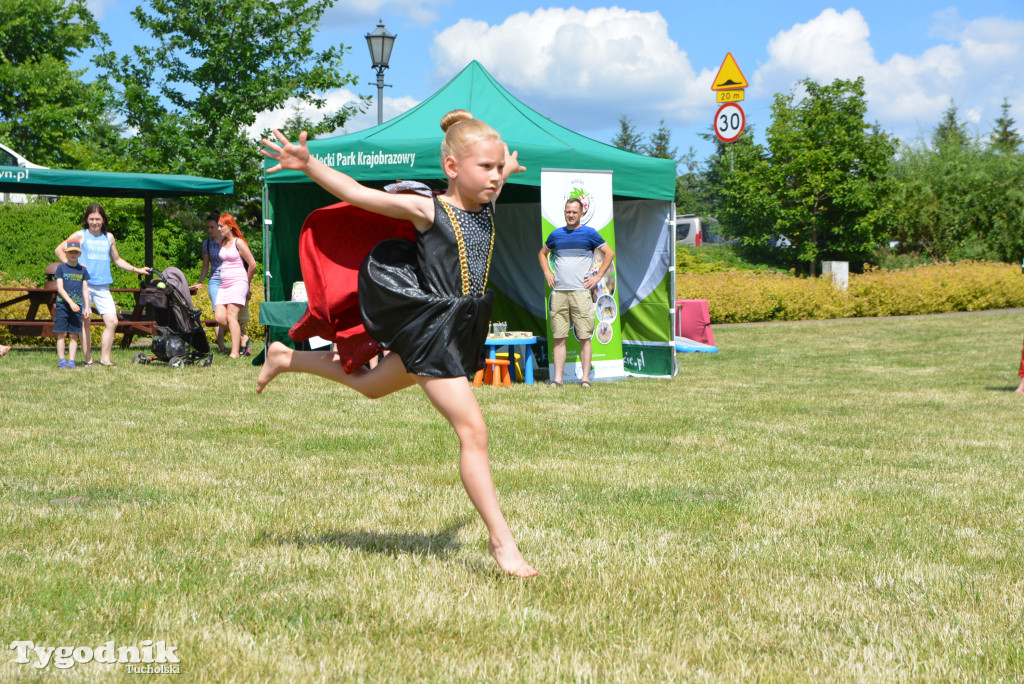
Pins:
<point x="380" y="43"/>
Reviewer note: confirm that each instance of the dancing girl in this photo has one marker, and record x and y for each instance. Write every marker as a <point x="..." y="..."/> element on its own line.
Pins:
<point x="425" y="301"/>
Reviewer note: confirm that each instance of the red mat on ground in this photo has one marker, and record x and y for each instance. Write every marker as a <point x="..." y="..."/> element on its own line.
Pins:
<point x="332" y="245"/>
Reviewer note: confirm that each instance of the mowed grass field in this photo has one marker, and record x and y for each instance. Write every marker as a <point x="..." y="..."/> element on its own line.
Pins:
<point x="837" y="500"/>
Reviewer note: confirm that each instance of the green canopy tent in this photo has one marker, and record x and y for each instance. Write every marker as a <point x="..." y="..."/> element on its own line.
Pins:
<point x="408" y="147"/>
<point x="146" y="186"/>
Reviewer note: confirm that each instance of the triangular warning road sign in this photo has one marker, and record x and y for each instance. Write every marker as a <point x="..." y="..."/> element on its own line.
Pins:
<point x="729" y="75"/>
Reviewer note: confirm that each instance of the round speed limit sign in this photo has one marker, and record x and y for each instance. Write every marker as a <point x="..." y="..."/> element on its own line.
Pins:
<point x="729" y="122"/>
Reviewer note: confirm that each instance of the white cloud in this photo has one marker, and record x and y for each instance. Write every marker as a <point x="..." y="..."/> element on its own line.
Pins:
<point x="977" y="64"/>
<point x="569" y="62"/>
<point x="830" y="46"/>
<point x="358" y="13"/>
<point x="99" y="7"/>
<point x="336" y="99"/>
<point x="585" y="68"/>
<point x="368" y="119"/>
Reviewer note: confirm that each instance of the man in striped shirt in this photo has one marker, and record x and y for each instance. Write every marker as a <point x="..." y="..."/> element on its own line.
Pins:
<point x="572" y="304"/>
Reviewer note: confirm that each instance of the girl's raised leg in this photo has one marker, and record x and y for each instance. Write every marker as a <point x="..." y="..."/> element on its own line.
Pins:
<point x="454" y="399"/>
<point x="389" y="375"/>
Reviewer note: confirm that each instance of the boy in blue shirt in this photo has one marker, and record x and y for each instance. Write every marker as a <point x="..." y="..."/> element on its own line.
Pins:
<point x="72" y="302"/>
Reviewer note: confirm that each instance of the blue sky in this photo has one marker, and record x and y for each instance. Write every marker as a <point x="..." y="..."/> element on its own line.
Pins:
<point x="586" y="64"/>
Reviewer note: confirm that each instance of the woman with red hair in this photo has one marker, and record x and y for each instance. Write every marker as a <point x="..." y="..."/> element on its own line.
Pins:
<point x="236" y="271"/>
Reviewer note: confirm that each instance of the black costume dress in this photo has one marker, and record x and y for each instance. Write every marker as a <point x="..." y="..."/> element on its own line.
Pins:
<point x="426" y="300"/>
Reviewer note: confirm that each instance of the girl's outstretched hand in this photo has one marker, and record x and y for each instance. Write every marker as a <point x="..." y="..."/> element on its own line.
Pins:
<point x="288" y="155"/>
<point x="512" y="165"/>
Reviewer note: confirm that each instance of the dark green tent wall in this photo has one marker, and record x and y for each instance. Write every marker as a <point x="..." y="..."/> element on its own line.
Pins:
<point x="408" y="147"/>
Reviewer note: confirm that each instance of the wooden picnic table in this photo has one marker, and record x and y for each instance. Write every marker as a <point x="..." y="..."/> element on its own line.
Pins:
<point x="138" y="321"/>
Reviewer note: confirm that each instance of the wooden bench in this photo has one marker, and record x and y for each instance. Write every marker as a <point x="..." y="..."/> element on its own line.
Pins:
<point x="43" y="300"/>
<point x="44" y="328"/>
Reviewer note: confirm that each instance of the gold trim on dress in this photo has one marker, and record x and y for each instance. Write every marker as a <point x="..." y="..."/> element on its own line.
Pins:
<point x="463" y="255"/>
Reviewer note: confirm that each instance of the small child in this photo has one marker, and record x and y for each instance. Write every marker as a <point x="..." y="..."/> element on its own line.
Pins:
<point x="73" y="302"/>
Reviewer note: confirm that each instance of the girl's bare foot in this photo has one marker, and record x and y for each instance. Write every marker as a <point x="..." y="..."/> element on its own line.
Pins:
<point x="4" y="349"/>
<point x="510" y="561"/>
<point x="1020" y="387"/>
<point x="275" y="362"/>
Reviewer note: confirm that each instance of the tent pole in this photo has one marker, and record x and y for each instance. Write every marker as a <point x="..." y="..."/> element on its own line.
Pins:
<point x="149" y="229"/>
<point x="267" y="222"/>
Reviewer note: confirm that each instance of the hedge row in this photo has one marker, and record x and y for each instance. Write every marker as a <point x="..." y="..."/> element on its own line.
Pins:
<point x="743" y="297"/>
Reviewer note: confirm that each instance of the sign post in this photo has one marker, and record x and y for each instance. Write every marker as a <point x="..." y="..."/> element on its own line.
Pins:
<point x="729" y="122"/>
<point x="728" y="85"/>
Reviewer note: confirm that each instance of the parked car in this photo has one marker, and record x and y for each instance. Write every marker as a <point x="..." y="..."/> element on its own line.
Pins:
<point x="9" y="157"/>
<point x="688" y="229"/>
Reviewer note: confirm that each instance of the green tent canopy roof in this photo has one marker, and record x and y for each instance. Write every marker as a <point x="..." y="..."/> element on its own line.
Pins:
<point x="107" y="183"/>
<point x="408" y="147"/>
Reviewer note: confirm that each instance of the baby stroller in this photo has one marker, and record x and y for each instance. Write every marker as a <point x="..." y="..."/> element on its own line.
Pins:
<point x="181" y="340"/>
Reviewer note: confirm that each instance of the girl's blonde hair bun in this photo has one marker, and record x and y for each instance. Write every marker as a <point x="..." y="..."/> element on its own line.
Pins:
<point x="453" y="117"/>
<point x="462" y="130"/>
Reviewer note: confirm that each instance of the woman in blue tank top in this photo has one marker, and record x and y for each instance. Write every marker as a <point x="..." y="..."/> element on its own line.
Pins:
<point x="99" y="251"/>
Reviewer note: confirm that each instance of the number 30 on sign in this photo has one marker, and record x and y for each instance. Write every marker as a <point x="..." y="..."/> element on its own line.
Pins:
<point x="729" y="122"/>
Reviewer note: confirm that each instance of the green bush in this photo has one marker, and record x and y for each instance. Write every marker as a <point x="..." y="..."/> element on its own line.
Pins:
<point x="740" y="297"/>
<point x="714" y="259"/>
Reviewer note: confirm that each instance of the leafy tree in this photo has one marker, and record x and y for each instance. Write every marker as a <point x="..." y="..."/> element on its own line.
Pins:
<point x="659" y="144"/>
<point x="295" y="124"/>
<point x="1004" y="137"/>
<point x="694" y="190"/>
<point x="216" y="65"/>
<point x="690" y="191"/>
<point x="47" y="112"/>
<point x="951" y="132"/>
<point x="628" y="138"/>
<point x="959" y="202"/>
<point x="823" y="180"/>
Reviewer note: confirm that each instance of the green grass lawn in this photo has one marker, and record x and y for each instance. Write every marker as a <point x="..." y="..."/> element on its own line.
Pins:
<point x="837" y="500"/>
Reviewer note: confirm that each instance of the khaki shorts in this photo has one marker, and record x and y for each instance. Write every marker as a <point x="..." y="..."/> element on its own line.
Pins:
<point x="572" y="309"/>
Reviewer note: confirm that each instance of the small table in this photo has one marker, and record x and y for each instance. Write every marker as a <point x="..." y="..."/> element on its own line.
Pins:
<point x="284" y="315"/>
<point x="513" y="343"/>
<point x="281" y="314"/>
<point x="277" y="318"/>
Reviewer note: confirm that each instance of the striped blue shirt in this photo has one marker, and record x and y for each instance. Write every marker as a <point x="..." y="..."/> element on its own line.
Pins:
<point x="574" y="255"/>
